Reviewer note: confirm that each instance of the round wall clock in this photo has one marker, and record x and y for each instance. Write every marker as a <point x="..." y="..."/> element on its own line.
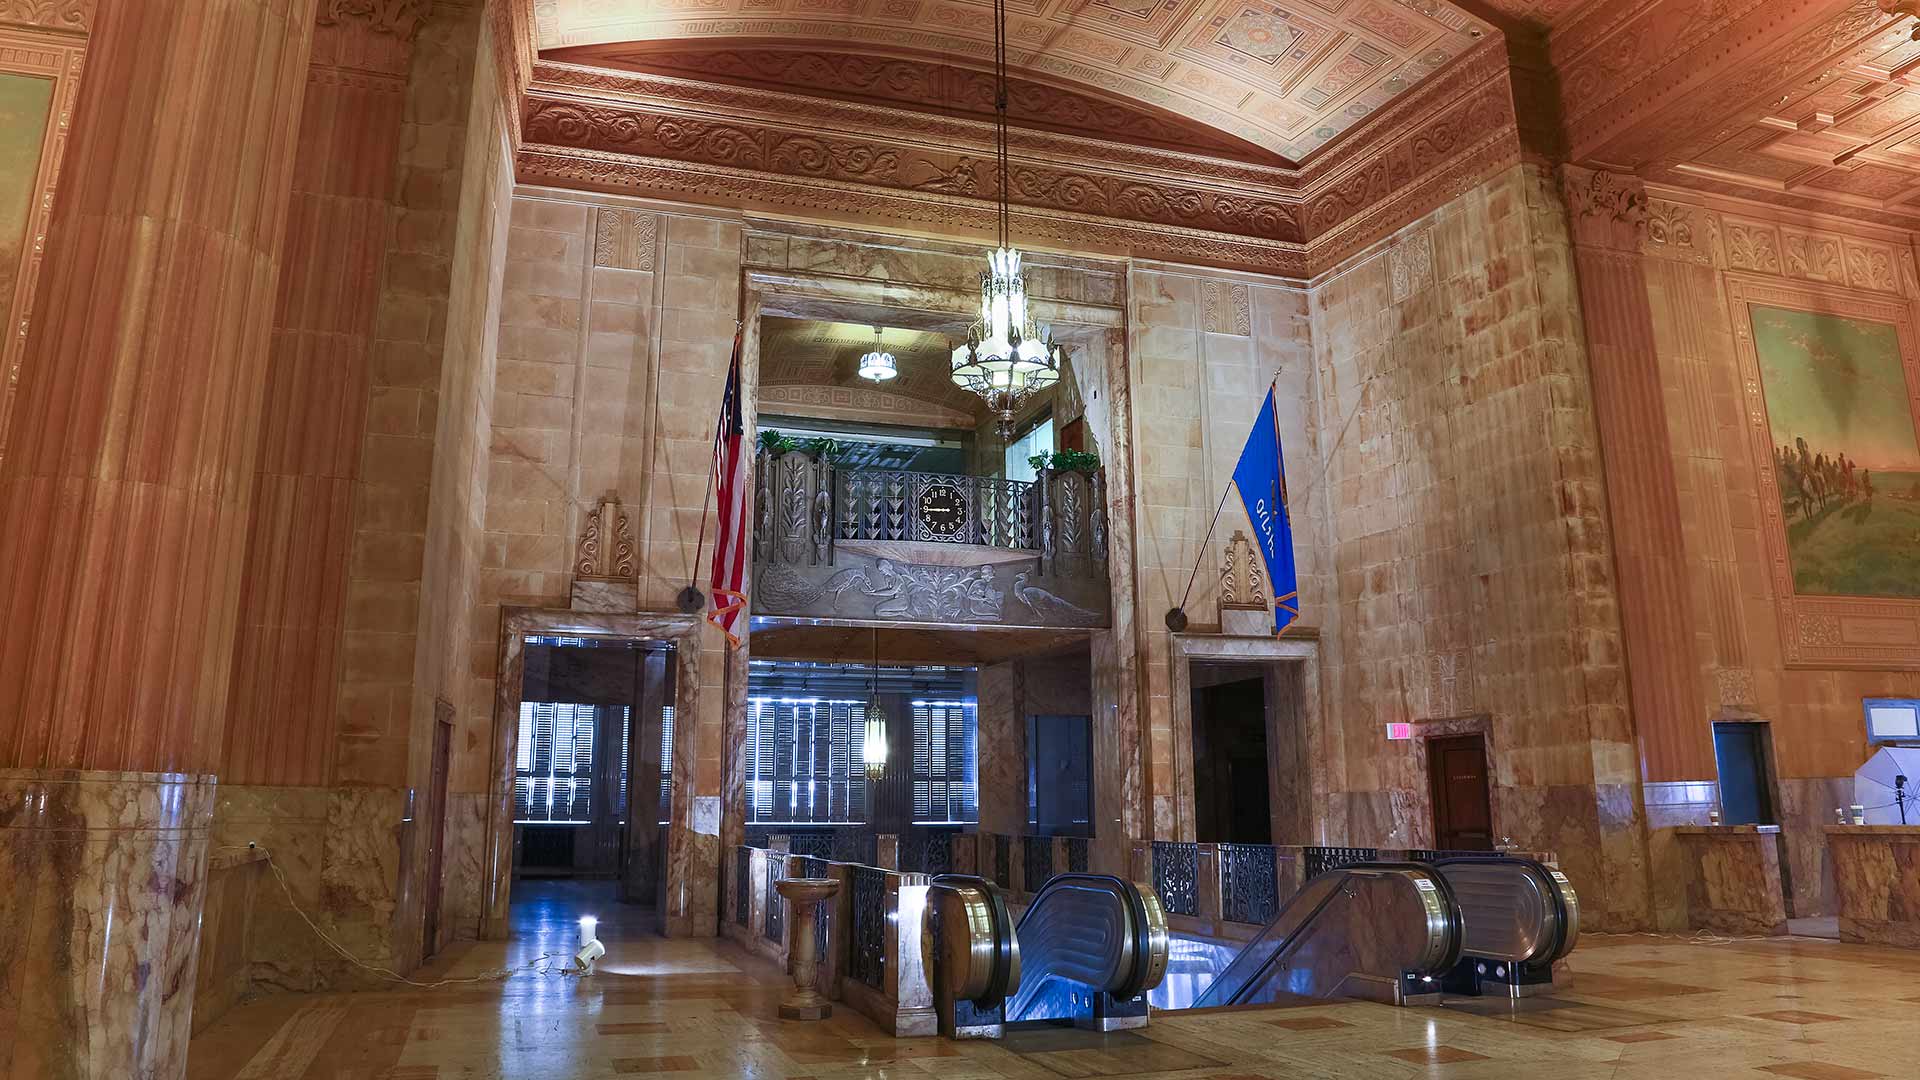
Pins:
<point x="943" y="511"/>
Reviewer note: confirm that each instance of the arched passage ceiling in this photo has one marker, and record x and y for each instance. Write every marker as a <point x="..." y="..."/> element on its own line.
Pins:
<point x="1213" y="76"/>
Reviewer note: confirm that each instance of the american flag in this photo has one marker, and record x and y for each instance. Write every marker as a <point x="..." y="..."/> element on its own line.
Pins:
<point x="730" y="545"/>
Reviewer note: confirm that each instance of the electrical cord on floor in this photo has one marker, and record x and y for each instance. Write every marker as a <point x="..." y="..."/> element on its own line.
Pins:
<point x="1698" y="937"/>
<point x="537" y="966"/>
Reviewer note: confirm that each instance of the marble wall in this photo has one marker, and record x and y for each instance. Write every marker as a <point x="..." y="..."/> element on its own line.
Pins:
<point x="1204" y="348"/>
<point x="1695" y="252"/>
<point x="1468" y="551"/>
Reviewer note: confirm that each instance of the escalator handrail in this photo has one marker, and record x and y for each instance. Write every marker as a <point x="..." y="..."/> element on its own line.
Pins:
<point x="1566" y="923"/>
<point x="1140" y="927"/>
<point x="1003" y="935"/>
<point x="1450" y="906"/>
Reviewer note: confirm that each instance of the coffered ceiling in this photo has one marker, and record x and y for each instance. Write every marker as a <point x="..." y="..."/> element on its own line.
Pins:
<point x="1223" y="76"/>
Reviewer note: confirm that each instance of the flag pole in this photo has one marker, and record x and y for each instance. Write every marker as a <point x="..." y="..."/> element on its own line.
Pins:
<point x="1177" y="614"/>
<point x="691" y="598"/>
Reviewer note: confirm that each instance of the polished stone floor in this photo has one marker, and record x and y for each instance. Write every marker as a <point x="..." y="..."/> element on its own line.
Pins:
<point x="1636" y="1009"/>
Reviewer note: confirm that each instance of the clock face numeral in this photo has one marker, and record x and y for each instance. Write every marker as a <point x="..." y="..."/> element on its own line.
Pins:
<point x="943" y="510"/>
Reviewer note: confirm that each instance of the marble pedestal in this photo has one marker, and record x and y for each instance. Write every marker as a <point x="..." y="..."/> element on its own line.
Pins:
<point x="1733" y="881"/>
<point x="102" y="883"/>
<point x="803" y="895"/>
<point x="1876" y="874"/>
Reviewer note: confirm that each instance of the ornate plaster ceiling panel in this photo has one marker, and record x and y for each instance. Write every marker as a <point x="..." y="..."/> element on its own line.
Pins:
<point x="796" y="353"/>
<point x="1848" y="133"/>
<point x="1288" y="78"/>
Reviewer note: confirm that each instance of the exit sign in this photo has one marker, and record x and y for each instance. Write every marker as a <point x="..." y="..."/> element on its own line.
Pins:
<point x="1399" y="731"/>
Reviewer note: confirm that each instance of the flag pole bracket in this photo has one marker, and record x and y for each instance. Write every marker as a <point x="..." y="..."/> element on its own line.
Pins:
<point x="692" y="600"/>
<point x="1176" y="619"/>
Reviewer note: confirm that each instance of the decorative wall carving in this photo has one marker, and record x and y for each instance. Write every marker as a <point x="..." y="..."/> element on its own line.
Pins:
<point x="1753" y="247"/>
<point x="606" y="543"/>
<point x="1241" y="586"/>
<point x="53" y="14"/>
<point x="401" y="18"/>
<point x="1410" y="264"/>
<point x="624" y="239"/>
<point x="848" y="401"/>
<point x="1602" y="197"/>
<point x="1225" y="308"/>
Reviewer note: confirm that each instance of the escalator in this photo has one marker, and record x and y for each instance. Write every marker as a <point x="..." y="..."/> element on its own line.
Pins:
<point x="1379" y="931"/>
<point x="1086" y="950"/>
<point x="1094" y="949"/>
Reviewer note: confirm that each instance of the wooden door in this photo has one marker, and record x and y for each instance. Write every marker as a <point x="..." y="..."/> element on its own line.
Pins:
<point x="1462" y="799"/>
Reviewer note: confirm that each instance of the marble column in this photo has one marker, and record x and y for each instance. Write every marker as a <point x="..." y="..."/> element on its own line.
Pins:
<point x="294" y="589"/>
<point x="1608" y="216"/>
<point x="125" y="490"/>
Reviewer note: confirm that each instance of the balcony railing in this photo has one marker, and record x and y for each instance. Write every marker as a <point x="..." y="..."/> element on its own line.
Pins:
<point x="875" y="543"/>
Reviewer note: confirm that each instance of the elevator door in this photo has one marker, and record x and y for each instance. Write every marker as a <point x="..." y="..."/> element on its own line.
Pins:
<point x="1462" y="803"/>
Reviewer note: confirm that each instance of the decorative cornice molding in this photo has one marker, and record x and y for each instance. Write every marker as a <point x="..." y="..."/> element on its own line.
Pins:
<point x="75" y="15"/>
<point x="962" y="171"/>
<point x="400" y="18"/>
<point x="757" y="190"/>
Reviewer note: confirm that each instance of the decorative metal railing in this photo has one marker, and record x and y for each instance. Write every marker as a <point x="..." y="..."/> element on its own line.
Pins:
<point x="886" y="504"/>
<point x="1077" y="851"/>
<point x="867" y="937"/>
<point x="1248" y="888"/>
<point x="804" y="507"/>
<point x="775" y="921"/>
<point x="818" y="845"/>
<point x="857" y="846"/>
<point x="1319" y="860"/>
<point x="1036" y="861"/>
<point x="1176" y="873"/>
<point x="927" y="851"/>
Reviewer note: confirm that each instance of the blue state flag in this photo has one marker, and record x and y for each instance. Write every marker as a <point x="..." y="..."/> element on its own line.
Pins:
<point x="1262" y="482"/>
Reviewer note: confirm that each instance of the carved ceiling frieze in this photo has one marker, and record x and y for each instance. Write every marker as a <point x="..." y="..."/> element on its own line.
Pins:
<point x="926" y="85"/>
<point x="904" y="165"/>
<point x="76" y="15"/>
<point x="755" y="190"/>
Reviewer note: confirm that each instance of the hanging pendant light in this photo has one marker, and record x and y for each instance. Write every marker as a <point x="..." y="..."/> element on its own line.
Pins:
<point x="878" y="365"/>
<point x="1003" y="361"/>
<point x="873" y="748"/>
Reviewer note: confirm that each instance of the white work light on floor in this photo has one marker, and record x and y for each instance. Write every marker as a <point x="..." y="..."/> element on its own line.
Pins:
<point x="590" y="947"/>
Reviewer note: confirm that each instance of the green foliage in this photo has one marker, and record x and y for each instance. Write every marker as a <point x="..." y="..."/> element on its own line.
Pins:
<point x="779" y="442"/>
<point x="1084" y="461"/>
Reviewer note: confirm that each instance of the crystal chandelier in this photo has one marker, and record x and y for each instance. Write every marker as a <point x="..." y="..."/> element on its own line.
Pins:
<point x="878" y="365"/>
<point x="873" y="747"/>
<point x="1004" y="361"/>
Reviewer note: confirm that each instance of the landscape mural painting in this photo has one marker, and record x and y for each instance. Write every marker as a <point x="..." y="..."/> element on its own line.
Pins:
<point x="1844" y="451"/>
<point x="25" y="103"/>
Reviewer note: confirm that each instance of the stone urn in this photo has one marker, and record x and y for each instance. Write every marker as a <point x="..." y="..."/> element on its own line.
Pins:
<point x="803" y="895"/>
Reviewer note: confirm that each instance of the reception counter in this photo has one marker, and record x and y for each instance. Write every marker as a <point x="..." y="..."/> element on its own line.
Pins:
<point x="1876" y="874"/>
<point x="1733" y="878"/>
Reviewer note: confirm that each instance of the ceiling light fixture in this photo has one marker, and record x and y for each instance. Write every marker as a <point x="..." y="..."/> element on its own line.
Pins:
<point x="878" y="365"/>
<point x="873" y="747"/>
<point x="1004" y="361"/>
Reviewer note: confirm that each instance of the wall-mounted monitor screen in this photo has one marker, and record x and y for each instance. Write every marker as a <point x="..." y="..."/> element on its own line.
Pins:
<point x="1892" y="719"/>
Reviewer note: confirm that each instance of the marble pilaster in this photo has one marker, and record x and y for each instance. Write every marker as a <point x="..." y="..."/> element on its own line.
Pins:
<point x="99" y="921"/>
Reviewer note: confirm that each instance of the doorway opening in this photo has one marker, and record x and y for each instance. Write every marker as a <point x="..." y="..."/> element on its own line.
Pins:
<point x="1462" y="793"/>
<point x="1231" y="763"/>
<point x="1741" y="750"/>
<point x="593" y="774"/>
